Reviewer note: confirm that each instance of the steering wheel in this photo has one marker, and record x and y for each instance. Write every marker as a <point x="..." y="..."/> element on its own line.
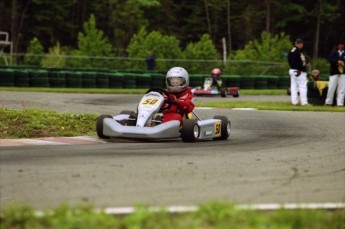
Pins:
<point x="165" y="94"/>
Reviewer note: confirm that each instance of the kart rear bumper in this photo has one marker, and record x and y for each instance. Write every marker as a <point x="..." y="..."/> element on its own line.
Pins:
<point x="205" y="92"/>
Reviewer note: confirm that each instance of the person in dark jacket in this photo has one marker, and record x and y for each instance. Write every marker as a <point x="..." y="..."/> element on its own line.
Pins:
<point x="150" y="61"/>
<point x="298" y="74"/>
<point x="336" y="75"/>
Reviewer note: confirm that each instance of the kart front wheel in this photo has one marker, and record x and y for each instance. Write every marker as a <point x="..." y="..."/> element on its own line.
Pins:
<point x="132" y="113"/>
<point x="225" y="127"/>
<point x="99" y="126"/>
<point x="190" y="130"/>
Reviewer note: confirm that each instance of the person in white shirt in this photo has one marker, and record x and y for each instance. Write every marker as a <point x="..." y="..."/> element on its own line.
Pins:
<point x="298" y="74"/>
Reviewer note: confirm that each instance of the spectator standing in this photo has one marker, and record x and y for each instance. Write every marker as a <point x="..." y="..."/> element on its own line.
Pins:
<point x="336" y="75"/>
<point x="298" y="74"/>
<point x="150" y="61"/>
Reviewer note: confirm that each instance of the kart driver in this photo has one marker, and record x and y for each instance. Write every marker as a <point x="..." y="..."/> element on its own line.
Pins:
<point x="216" y="81"/>
<point x="180" y="95"/>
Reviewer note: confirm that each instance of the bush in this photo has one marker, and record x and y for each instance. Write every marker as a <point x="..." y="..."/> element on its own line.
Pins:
<point x="264" y="56"/>
<point x="34" y="53"/>
<point x="53" y="59"/>
<point x="322" y="65"/>
<point x="202" y="50"/>
<point x="91" y="43"/>
<point x="162" y="46"/>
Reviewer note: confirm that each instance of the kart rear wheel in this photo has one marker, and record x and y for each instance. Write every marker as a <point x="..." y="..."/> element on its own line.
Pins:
<point x="190" y="130"/>
<point x="237" y="94"/>
<point x="99" y="126"/>
<point x="223" y="92"/>
<point x="225" y="127"/>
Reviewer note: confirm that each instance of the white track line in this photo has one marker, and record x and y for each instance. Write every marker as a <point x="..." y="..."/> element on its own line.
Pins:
<point x="271" y="206"/>
<point x="274" y="206"/>
<point x="244" y="109"/>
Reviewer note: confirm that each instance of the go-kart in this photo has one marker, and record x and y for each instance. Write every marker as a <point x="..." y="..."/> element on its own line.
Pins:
<point x="147" y="123"/>
<point x="209" y="90"/>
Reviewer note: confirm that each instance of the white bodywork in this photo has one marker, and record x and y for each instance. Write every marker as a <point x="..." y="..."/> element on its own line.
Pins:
<point x="145" y="128"/>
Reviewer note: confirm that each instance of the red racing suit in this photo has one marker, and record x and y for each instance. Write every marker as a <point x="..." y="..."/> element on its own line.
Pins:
<point x="182" y="107"/>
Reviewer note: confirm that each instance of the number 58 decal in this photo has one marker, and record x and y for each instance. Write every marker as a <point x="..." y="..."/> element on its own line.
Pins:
<point x="149" y="102"/>
<point x="217" y="128"/>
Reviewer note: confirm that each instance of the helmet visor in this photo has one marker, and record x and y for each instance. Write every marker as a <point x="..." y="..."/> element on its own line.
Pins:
<point x="176" y="81"/>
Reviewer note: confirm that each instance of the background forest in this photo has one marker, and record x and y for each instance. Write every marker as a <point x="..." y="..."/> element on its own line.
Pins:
<point x="119" y="33"/>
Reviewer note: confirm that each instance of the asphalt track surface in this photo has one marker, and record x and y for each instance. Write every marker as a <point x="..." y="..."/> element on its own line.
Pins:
<point x="271" y="157"/>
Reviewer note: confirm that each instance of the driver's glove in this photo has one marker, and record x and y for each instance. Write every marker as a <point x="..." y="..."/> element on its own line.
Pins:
<point x="172" y="98"/>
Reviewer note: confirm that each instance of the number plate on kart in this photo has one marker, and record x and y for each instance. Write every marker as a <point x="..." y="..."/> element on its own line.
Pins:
<point x="208" y="83"/>
<point x="149" y="102"/>
<point x="153" y="99"/>
<point x="217" y="129"/>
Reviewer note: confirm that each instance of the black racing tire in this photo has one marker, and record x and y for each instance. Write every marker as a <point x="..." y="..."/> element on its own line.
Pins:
<point x="132" y="115"/>
<point x="237" y="94"/>
<point x="99" y="126"/>
<point x="190" y="131"/>
<point x="158" y="117"/>
<point x="159" y="90"/>
<point x="157" y="120"/>
<point x="225" y="127"/>
<point x="223" y="92"/>
<point x="128" y="112"/>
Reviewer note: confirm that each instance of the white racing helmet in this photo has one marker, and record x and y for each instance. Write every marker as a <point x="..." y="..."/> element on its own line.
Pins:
<point x="177" y="79"/>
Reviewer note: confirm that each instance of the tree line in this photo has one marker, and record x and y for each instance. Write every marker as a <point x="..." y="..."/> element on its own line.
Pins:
<point x="241" y="24"/>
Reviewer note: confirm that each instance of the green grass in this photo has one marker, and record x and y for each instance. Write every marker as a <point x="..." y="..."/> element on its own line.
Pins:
<point x="263" y="92"/>
<point x="211" y="215"/>
<point x="40" y="123"/>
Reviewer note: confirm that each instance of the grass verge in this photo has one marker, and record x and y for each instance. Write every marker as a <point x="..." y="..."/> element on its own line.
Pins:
<point x="211" y="215"/>
<point x="40" y="123"/>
